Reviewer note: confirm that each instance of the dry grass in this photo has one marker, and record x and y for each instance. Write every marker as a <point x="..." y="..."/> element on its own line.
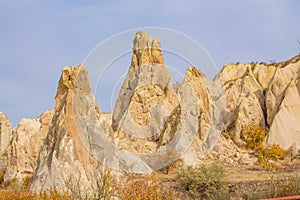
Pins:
<point x="107" y="187"/>
<point x="143" y="187"/>
<point x="276" y="186"/>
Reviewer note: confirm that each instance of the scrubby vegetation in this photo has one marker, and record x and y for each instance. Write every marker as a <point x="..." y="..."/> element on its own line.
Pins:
<point x="146" y="188"/>
<point x="255" y="137"/>
<point x="279" y="186"/>
<point x="107" y="187"/>
<point x="1" y="177"/>
<point x="203" y="182"/>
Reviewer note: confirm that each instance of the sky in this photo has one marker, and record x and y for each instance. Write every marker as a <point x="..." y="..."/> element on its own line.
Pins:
<point x="39" y="38"/>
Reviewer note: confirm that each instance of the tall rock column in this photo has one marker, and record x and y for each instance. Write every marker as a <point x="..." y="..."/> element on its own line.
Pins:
<point x="146" y="98"/>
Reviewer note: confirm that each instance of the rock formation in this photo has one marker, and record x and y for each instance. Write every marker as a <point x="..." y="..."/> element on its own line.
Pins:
<point x="25" y="146"/>
<point x="244" y="99"/>
<point x="285" y="128"/>
<point x="5" y="137"/>
<point x="154" y="122"/>
<point x="63" y="155"/>
<point x="255" y="93"/>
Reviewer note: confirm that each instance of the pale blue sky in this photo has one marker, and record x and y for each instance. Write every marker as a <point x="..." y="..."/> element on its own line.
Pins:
<point x="38" y="38"/>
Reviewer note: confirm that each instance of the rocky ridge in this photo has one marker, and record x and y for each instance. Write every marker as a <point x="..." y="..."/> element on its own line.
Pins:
<point x="255" y="94"/>
<point x="155" y="122"/>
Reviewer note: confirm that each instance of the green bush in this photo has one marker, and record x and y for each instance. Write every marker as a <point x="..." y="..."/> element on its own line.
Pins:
<point x="204" y="181"/>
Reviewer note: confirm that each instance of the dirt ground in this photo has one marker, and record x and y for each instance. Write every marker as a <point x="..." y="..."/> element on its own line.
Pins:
<point x="243" y="182"/>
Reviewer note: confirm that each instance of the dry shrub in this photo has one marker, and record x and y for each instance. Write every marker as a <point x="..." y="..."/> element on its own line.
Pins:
<point x="105" y="184"/>
<point x="17" y="189"/>
<point x="255" y="137"/>
<point x="26" y="181"/>
<point x="1" y="177"/>
<point x="55" y="195"/>
<point x="10" y="193"/>
<point x="74" y="189"/>
<point x="142" y="188"/>
<point x="273" y="152"/>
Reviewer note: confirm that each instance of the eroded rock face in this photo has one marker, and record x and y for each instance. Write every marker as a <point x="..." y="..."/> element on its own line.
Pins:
<point x="210" y="111"/>
<point x="150" y="110"/>
<point x="63" y="155"/>
<point x="244" y="97"/>
<point x="255" y="94"/>
<point x="285" y="129"/>
<point x="154" y="122"/>
<point x="146" y="99"/>
<point x="148" y="82"/>
<point x="286" y="73"/>
<point x="5" y="138"/>
<point x="25" y="146"/>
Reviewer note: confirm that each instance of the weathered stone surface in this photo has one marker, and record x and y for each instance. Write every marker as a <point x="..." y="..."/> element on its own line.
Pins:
<point x="146" y="100"/>
<point x="25" y="146"/>
<point x="5" y="131"/>
<point x="5" y="138"/>
<point x="255" y="94"/>
<point x="63" y="155"/>
<point x="146" y="50"/>
<point x="285" y="129"/>
<point x="244" y="97"/>
<point x="286" y="73"/>
<point x="76" y="144"/>
<point x="148" y="82"/>
<point x="209" y="112"/>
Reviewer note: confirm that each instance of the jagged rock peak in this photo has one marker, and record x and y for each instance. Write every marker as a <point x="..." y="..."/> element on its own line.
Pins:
<point x="193" y="72"/>
<point x="67" y="82"/>
<point x="143" y="40"/>
<point x="146" y="50"/>
<point x="5" y="132"/>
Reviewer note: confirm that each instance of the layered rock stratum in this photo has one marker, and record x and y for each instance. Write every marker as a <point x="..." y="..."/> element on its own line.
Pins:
<point x="154" y="122"/>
